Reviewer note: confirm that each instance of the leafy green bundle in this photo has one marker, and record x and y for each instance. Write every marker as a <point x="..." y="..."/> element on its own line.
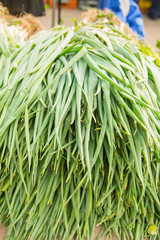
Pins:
<point x="79" y="137"/>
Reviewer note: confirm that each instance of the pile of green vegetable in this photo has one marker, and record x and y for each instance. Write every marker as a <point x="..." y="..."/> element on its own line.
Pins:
<point x="79" y="137"/>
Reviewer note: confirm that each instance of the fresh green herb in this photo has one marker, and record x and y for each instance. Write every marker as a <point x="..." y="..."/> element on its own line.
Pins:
<point x="79" y="136"/>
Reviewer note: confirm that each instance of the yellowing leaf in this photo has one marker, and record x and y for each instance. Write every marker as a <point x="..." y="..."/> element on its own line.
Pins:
<point x="152" y="230"/>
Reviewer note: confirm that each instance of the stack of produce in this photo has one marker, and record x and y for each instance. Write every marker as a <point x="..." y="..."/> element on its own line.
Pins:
<point x="79" y="136"/>
<point x="94" y="14"/>
<point x="25" y="25"/>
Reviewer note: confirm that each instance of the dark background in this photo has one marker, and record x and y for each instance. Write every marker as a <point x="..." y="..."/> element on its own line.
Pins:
<point x="16" y="7"/>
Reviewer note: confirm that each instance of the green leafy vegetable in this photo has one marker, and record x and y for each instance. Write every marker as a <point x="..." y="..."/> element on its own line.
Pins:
<point x="79" y="136"/>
